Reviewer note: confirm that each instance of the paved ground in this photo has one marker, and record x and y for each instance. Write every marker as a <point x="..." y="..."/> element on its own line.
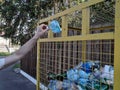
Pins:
<point x="9" y="80"/>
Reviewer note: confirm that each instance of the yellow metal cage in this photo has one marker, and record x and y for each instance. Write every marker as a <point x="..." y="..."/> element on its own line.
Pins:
<point x="91" y="41"/>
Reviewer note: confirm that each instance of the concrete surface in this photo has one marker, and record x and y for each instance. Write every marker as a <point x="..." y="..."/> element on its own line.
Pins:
<point x="9" y="80"/>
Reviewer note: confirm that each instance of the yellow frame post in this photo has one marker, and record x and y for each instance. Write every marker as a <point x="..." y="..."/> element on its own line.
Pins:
<point x="64" y="26"/>
<point x="85" y="21"/>
<point x="78" y="2"/>
<point x="117" y="47"/>
<point x="85" y="29"/>
<point x="38" y="66"/>
<point x="50" y="33"/>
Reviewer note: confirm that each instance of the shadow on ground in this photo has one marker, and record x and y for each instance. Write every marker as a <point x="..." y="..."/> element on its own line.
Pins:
<point x="9" y="80"/>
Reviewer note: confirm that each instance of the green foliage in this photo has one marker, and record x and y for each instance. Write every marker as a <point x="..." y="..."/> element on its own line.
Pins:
<point x="17" y="65"/>
<point x="19" y="17"/>
<point x="4" y="53"/>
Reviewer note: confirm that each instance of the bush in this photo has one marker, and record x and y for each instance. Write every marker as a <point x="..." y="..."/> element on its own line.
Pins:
<point x="4" y="53"/>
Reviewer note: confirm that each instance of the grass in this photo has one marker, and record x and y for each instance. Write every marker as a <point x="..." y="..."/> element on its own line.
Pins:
<point x="17" y="65"/>
<point x="4" y="53"/>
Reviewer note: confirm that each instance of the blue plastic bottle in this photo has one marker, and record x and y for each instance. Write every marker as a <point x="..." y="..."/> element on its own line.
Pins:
<point x="54" y="26"/>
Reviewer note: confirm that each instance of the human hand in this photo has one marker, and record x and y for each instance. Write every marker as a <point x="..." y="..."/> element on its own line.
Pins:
<point x="41" y="30"/>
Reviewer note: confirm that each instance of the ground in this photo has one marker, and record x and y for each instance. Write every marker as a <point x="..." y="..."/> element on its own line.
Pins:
<point x="9" y="80"/>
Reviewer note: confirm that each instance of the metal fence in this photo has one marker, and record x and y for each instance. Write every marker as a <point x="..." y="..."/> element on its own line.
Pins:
<point x="90" y="33"/>
<point x="28" y="62"/>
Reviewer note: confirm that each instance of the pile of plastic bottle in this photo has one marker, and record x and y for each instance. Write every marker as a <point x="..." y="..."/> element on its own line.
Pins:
<point x="85" y="76"/>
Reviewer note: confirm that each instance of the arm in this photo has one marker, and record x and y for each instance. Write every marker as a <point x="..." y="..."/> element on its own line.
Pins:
<point x="26" y="47"/>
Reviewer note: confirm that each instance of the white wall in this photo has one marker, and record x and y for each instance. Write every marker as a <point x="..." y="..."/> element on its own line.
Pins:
<point x="6" y="46"/>
<point x="4" y="41"/>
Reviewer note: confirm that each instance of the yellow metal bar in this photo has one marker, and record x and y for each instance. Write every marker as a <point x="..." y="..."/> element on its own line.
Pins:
<point x="68" y="11"/>
<point x="50" y="33"/>
<point x="78" y="2"/>
<point x="64" y="26"/>
<point x="85" y="21"/>
<point x="85" y="29"/>
<point x="100" y="36"/>
<point x="102" y="28"/>
<point x="92" y="29"/>
<point x="70" y="3"/>
<point x="38" y="66"/>
<point x="117" y="47"/>
<point x="72" y="28"/>
<point x="83" y="50"/>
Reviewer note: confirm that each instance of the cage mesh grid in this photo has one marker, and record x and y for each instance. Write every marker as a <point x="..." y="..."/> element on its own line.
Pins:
<point x="102" y="15"/>
<point x="58" y="57"/>
<point x="74" y="20"/>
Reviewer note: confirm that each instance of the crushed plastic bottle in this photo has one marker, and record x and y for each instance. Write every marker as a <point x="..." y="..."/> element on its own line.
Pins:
<point x="87" y="66"/>
<point x="54" y="26"/>
<point x="97" y="73"/>
<point x="51" y="76"/>
<point x="79" y="66"/>
<point x="79" y="87"/>
<point x="55" y="85"/>
<point x="107" y="74"/>
<point x="83" y="74"/>
<point x="96" y="64"/>
<point x="59" y="85"/>
<point x="60" y="77"/>
<point x="66" y="84"/>
<point x="82" y="81"/>
<point x="73" y="87"/>
<point x="73" y="75"/>
<point x="104" y="87"/>
<point x="52" y="85"/>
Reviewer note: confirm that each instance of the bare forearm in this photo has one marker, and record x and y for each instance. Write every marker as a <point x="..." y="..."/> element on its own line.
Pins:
<point x="21" y="52"/>
<point x="25" y="48"/>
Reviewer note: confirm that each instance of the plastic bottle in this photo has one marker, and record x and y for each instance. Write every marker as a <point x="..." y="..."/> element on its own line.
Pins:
<point x="83" y="74"/>
<point x="73" y="75"/>
<point x="52" y="85"/>
<point x="60" y="77"/>
<point x="87" y="66"/>
<point x="54" y="26"/>
<point x="55" y="85"/>
<point x="66" y="84"/>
